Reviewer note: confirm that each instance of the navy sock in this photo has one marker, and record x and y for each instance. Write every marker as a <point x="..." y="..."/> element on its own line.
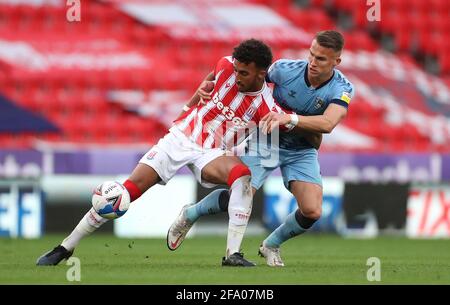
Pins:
<point x="304" y="221"/>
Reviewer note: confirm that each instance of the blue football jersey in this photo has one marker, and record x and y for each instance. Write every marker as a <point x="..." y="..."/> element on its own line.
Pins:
<point x="293" y="91"/>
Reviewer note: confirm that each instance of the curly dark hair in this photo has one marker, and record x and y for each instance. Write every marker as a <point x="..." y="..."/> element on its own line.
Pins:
<point x="253" y="50"/>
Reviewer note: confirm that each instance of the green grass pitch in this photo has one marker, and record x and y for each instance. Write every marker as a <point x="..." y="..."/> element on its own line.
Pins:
<point x="309" y="259"/>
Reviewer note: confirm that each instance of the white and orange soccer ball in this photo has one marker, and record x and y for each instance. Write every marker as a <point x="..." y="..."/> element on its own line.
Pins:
<point x="111" y="200"/>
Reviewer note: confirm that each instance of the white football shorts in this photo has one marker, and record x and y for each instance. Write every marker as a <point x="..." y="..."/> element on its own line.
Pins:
<point x="174" y="151"/>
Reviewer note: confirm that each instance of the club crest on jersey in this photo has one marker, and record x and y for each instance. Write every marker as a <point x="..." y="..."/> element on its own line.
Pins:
<point x="249" y="113"/>
<point x="319" y="103"/>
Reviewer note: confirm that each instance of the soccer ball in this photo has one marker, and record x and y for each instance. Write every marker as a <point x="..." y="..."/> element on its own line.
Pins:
<point x="111" y="200"/>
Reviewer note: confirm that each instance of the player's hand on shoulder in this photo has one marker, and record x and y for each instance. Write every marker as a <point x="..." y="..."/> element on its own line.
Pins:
<point x="204" y="91"/>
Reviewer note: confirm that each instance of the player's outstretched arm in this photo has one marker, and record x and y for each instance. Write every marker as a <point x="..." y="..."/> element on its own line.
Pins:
<point x="324" y="123"/>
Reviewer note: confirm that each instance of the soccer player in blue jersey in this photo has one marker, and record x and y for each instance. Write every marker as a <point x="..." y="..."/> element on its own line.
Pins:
<point x="319" y="94"/>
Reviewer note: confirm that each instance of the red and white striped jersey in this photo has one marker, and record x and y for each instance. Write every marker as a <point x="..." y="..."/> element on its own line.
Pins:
<point x="217" y="123"/>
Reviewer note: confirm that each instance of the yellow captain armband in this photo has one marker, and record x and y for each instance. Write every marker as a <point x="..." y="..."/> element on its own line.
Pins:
<point x="346" y="97"/>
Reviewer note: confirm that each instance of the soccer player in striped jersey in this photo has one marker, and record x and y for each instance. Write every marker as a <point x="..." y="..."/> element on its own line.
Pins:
<point x="200" y="138"/>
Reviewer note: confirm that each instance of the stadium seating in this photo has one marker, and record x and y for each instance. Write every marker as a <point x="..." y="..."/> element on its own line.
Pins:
<point x="77" y="101"/>
<point x="417" y="26"/>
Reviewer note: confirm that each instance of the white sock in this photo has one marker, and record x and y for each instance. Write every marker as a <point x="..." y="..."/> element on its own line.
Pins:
<point x="239" y="210"/>
<point x="88" y="224"/>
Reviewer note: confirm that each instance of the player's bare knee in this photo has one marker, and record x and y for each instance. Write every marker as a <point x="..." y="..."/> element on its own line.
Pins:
<point x="144" y="177"/>
<point x="316" y="214"/>
<point x="312" y="212"/>
<point x="212" y="177"/>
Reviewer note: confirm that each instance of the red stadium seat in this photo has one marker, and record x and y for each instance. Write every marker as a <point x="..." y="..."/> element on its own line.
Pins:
<point x="360" y="16"/>
<point x="418" y="5"/>
<point x="439" y="22"/>
<point x="439" y="5"/>
<point x="435" y="44"/>
<point x="403" y="40"/>
<point x="395" y="5"/>
<point x="318" y="3"/>
<point x="357" y="40"/>
<point x="76" y="100"/>
<point x="444" y="61"/>
<point x="417" y="20"/>
<point x="312" y="20"/>
<point x="345" y="5"/>
<point x="391" y="22"/>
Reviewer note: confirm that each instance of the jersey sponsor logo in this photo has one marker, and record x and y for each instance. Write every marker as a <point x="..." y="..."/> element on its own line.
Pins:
<point x="227" y="112"/>
<point x="346" y="97"/>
